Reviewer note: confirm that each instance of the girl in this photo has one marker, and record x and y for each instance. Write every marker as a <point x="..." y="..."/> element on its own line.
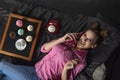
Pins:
<point x="71" y="48"/>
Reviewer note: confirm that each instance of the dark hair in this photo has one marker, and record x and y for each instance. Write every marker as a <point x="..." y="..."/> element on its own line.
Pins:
<point x="101" y="34"/>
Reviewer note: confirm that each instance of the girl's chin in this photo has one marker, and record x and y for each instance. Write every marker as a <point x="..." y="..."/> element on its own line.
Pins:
<point x="79" y="47"/>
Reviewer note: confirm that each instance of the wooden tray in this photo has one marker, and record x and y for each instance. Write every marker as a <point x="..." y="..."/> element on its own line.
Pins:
<point x="7" y="45"/>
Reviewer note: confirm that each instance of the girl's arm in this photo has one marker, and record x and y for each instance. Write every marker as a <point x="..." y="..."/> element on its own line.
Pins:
<point x="48" y="46"/>
<point x="68" y="37"/>
<point x="64" y="74"/>
<point x="69" y="65"/>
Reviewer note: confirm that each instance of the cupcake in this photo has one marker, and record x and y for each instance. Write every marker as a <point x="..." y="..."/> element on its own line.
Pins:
<point x="20" y="32"/>
<point x="29" y="38"/>
<point x="12" y="35"/>
<point x="19" y="23"/>
<point x="20" y="44"/>
<point x="30" y="28"/>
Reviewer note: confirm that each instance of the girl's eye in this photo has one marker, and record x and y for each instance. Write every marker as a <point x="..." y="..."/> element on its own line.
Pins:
<point x="90" y="40"/>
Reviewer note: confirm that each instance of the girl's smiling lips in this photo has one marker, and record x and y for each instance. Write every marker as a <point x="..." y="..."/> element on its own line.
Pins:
<point x="80" y="43"/>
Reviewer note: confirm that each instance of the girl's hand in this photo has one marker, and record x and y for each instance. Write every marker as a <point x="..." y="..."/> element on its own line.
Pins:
<point x="68" y="37"/>
<point x="71" y="64"/>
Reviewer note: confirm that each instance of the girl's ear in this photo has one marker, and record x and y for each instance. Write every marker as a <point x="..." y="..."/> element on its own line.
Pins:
<point x="94" y="45"/>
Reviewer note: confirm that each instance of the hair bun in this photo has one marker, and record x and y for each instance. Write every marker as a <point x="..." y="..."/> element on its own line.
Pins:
<point x="95" y="25"/>
<point x="104" y="33"/>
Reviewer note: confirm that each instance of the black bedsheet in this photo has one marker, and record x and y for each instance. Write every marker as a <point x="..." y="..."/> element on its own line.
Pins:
<point x="67" y="23"/>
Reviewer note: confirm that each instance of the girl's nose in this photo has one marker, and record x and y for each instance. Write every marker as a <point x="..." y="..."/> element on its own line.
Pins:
<point x="84" y="40"/>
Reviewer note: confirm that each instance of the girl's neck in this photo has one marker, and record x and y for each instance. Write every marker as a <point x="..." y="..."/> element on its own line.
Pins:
<point x="79" y="49"/>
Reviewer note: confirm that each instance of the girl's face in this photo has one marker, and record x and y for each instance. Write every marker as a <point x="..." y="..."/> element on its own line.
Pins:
<point x="87" y="40"/>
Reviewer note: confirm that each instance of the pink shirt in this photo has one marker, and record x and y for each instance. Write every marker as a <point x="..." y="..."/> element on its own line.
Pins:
<point x="51" y="66"/>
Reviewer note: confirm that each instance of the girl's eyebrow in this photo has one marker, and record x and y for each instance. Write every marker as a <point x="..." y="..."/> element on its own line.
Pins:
<point x="89" y="38"/>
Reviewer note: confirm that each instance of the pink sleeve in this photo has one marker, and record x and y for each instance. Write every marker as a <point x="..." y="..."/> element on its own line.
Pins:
<point x="43" y="49"/>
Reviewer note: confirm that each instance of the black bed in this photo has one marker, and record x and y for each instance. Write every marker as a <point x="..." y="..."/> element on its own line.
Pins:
<point x="71" y="18"/>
